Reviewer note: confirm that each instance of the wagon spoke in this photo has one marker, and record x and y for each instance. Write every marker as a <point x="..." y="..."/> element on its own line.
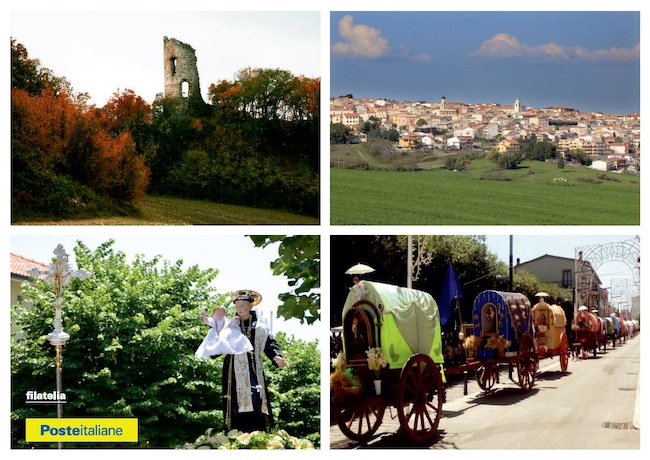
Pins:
<point x="418" y="416"/>
<point x="411" y="411"/>
<point x="362" y="420"/>
<point x="426" y="412"/>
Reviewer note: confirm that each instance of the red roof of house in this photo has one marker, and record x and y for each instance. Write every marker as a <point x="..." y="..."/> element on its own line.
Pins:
<point x="22" y="265"/>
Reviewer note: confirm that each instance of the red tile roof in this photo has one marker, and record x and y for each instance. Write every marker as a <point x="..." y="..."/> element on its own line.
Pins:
<point x="21" y="265"/>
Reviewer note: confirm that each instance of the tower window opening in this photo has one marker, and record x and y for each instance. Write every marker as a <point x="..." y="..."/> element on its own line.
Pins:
<point x="172" y="61"/>
<point x="185" y="89"/>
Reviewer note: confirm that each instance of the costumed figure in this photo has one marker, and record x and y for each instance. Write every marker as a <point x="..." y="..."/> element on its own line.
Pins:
<point x="224" y="337"/>
<point x="246" y="402"/>
<point x="359" y="289"/>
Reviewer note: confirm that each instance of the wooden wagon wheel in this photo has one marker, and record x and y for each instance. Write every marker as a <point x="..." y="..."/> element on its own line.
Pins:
<point x="526" y="362"/>
<point x="360" y="420"/>
<point x="564" y="352"/>
<point x="486" y="376"/>
<point x="419" y="398"/>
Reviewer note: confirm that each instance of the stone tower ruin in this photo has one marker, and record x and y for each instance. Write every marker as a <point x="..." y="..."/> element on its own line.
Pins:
<point x="181" y="72"/>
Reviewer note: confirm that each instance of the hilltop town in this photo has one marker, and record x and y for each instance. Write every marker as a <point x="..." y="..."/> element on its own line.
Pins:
<point x="612" y="141"/>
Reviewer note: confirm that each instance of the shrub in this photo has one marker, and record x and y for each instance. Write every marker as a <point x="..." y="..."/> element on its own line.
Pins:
<point x="494" y="175"/>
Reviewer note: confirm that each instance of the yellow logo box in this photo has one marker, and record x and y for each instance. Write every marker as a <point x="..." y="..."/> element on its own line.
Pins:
<point x="81" y="430"/>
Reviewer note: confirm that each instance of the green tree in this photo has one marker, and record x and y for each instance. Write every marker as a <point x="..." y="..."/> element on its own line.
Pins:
<point x="579" y="155"/>
<point x="529" y="285"/>
<point x="134" y="329"/>
<point x="295" y="390"/>
<point x="298" y="260"/>
<point x="372" y="124"/>
<point x="458" y="163"/>
<point x="387" y="254"/>
<point x="507" y="160"/>
<point x="391" y="134"/>
<point x="560" y="162"/>
<point x="339" y="133"/>
<point x="29" y="75"/>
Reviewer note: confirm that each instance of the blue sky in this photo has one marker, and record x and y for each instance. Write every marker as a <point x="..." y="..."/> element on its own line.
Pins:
<point x="586" y="60"/>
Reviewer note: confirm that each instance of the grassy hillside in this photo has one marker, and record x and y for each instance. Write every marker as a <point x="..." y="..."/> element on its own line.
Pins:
<point x="174" y="211"/>
<point x="536" y="193"/>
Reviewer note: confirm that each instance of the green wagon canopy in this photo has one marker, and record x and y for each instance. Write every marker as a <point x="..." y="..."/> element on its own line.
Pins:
<point x="404" y="321"/>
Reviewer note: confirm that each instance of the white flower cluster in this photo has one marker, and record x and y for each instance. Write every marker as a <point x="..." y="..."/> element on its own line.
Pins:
<point x="560" y="181"/>
<point x="376" y="359"/>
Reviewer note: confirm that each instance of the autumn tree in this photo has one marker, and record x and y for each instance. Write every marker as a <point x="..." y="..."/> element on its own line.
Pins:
<point x="64" y="161"/>
<point x="125" y="111"/>
<point x="29" y="75"/>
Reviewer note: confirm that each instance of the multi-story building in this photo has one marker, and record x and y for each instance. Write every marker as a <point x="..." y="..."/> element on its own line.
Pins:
<point x="350" y="119"/>
<point x="568" y="273"/>
<point x="508" y="146"/>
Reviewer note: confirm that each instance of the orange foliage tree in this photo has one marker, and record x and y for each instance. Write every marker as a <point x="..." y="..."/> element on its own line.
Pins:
<point x="52" y="137"/>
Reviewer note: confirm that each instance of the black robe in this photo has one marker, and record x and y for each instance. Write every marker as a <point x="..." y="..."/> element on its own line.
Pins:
<point x="255" y="420"/>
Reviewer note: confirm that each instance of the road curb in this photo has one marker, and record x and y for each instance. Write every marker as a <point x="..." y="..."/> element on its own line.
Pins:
<point x="637" y="406"/>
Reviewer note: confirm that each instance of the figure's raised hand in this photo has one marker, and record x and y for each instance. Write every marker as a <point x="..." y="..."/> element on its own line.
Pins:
<point x="279" y="360"/>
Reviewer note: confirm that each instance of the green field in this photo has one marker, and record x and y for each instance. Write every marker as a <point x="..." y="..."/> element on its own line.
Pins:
<point x="536" y="193"/>
<point x="175" y="211"/>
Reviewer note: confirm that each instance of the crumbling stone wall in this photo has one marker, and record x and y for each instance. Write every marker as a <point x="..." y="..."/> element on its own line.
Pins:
<point x="181" y="72"/>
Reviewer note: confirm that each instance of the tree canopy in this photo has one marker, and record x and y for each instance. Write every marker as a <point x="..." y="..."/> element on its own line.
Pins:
<point x="298" y="260"/>
<point x="477" y="268"/>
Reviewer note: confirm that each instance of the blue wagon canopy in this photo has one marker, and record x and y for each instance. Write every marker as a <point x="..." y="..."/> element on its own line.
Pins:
<point x="402" y="321"/>
<point x="507" y="314"/>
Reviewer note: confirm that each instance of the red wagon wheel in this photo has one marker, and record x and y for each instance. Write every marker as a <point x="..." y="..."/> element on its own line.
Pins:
<point x="361" y="420"/>
<point x="564" y="352"/>
<point x="527" y="362"/>
<point x="419" y="398"/>
<point x="486" y="376"/>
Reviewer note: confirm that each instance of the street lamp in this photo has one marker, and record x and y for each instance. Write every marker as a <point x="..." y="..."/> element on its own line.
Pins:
<point x="58" y="274"/>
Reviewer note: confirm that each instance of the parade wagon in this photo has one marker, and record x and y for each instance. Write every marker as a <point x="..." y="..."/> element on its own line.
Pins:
<point x="609" y="331"/>
<point x="398" y="328"/>
<point x="589" y="331"/>
<point x="549" y="323"/>
<point x="502" y="323"/>
<point x="622" y="332"/>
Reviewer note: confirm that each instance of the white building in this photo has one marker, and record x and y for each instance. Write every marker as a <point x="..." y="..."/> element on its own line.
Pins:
<point x="602" y="165"/>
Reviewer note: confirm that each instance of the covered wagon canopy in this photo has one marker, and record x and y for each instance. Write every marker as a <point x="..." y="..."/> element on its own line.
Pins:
<point x="507" y="314"/>
<point x="549" y="323"/>
<point x="406" y="321"/>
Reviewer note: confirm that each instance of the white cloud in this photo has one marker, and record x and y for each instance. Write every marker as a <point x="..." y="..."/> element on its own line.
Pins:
<point x="360" y="40"/>
<point x="503" y="45"/>
<point x="364" y="41"/>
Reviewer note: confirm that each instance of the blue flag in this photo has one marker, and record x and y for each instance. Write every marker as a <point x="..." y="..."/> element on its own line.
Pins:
<point x="450" y="291"/>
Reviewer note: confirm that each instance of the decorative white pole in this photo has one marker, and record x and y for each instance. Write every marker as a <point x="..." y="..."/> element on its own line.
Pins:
<point x="58" y="274"/>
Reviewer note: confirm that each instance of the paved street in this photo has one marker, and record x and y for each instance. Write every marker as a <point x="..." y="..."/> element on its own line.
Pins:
<point x="593" y="406"/>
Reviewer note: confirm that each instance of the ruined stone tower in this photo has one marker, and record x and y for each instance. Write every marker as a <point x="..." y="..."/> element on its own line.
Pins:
<point x="181" y="73"/>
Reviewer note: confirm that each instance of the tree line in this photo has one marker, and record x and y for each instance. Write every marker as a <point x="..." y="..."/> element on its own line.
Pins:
<point x="477" y="268"/>
<point x="256" y="143"/>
